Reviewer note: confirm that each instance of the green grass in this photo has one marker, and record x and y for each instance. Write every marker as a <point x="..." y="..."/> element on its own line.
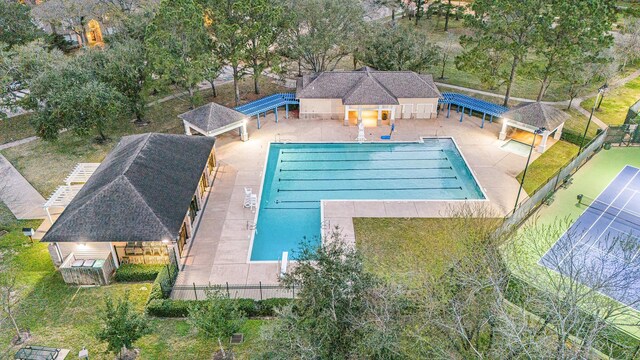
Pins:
<point x="46" y="164"/>
<point x="616" y="103"/>
<point x="577" y="123"/>
<point x="410" y="251"/>
<point x="547" y="164"/>
<point x="15" y="128"/>
<point x="63" y="316"/>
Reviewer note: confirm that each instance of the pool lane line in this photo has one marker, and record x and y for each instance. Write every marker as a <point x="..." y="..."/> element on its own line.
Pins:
<point x="386" y="179"/>
<point x="378" y="189"/>
<point x="376" y="169"/>
<point x="360" y="160"/>
<point x="291" y="208"/>
<point x="360" y="151"/>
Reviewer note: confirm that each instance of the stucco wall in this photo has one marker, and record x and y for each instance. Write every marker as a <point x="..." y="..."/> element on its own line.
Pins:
<point x="89" y="250"/>
<point x="333" y="108"/>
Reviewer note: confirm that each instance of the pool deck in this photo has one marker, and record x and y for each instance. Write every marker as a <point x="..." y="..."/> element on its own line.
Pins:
<point x="219" y="250"/>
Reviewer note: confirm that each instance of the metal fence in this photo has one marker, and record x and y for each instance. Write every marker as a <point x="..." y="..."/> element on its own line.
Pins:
<point x="545" y="192"/>
<point x="258" y="291"/>
<point x="624" y="135"/>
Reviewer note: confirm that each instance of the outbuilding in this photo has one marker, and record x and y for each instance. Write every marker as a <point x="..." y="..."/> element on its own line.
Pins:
<point x="367" y="95"/>
<point x="214" y="119"/>
<point x="532" y="117"/>
<point x="138" y="207"/>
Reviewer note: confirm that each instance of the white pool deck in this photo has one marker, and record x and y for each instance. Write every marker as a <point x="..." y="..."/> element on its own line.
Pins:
<point x="219" y="250"/>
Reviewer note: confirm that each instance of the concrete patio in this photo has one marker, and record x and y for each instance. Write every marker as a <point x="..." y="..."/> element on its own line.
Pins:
<point x="219" y="251"/>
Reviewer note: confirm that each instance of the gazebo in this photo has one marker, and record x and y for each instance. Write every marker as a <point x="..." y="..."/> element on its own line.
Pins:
<point x="214" y="119"/>
<point x="532" y="117"/>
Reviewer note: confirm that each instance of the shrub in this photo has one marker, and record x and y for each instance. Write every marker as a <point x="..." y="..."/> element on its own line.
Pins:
<point x="180" y="308"/>
<point x="161" y="288"/>
<point x="136" y="272"/>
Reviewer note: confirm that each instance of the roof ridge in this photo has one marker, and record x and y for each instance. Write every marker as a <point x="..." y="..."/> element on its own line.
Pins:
<point x="149" y="208"/>
<point x="382" y="85"/>
<point x="139" y="149"/>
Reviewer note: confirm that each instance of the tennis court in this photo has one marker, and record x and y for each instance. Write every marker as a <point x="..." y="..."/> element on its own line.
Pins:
<point x="602" y="247"/>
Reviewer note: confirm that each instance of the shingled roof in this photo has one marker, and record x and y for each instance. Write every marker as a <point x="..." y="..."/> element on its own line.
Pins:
<point x="366" y="86"/>
<point x="212" y="116"/>
<point x="537" y="115"/>
<point x="140" y="192"/>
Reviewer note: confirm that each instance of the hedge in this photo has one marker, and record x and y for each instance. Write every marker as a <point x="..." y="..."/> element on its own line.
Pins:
<point x="180" y="308"/>
<point x="161" y="288"/>
<point x="574" y="137"/>
<point x="137" y="272"/>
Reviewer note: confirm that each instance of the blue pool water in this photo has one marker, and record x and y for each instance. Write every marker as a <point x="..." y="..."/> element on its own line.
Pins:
<point x="298" y="176"/>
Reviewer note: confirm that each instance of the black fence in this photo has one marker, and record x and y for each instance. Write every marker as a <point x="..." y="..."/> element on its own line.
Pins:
<point x="258" y="291"/>
<point x="624" y="135"/>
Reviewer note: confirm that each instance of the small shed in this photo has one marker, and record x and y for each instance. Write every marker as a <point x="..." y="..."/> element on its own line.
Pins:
<point x="532" y="117"/>
<point x="214" y="119"/>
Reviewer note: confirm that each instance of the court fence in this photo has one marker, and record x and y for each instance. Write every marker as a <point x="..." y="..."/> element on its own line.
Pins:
<point x="544" y="193"/>
<point x="624" y="135"/>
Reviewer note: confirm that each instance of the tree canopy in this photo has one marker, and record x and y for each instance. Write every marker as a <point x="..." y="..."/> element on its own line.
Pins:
<point x="399" y="48"/>
<point x="16" y="25"/>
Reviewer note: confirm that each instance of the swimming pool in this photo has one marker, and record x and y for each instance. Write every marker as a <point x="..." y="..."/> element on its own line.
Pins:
<point x="298" y="176"/>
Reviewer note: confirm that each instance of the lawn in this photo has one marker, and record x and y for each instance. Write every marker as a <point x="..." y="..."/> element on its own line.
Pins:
<point x="547" y="165"/>
<point x="63" y="316"/>
<point x="578" y="122"/>
<point x="46" y="164"/>
<point x="616" y="103"/>
<point x="411" y="251"/>
<point x="15" y="128"/>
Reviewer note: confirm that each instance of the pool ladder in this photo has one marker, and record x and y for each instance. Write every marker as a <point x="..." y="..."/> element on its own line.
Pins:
<point x="325" y="224"/>
<point x="252" y="226"/>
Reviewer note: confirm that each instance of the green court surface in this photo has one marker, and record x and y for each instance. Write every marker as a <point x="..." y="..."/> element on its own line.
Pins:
<point x="590" y="180"/>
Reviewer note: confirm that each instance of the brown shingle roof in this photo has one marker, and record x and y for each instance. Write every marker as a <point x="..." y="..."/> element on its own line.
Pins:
<point x="537" y="115"/>
<point x="212" y="116"/>
<point x="353" y="88"/>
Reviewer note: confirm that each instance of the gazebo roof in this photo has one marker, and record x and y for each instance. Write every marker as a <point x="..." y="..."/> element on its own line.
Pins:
<point x="537" y="115"/>
<point x="212" y="116"/>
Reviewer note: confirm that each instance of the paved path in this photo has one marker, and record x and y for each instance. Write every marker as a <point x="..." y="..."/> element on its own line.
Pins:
<point x="19" y="196"/>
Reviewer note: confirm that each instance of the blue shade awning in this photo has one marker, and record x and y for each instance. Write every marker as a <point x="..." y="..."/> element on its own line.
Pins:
<point x="271" y="102"/>
<point x="466" y="102"/>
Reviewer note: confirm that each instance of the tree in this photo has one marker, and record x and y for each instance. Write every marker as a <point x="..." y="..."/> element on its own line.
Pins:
<point x="566" y="289"/>
<point x="19" y="66"/>
<point x="230" y="37"/>
<point x="393" y="5"/>
<point x="69" y="14"/>
<point x="121" y="325"/>
<point x="322" y="31"/>
<point x="10" y="294"/>
<point x="16" y="25"/>
<point x="218" y="317"/>
<point x="565" y="42"/>
<point x="178" y="44"/>
<point x="399" y="48"/>
<point x="504" y="28"/>
<point x="629" y="41"/>
<point x="447" y="49"/>
<point x="342" y="311"/>
<point x="68" y="97"/>
<point x="123" y="66"/>
<point x="264" y="24"/>
<point x="486" y="63"/>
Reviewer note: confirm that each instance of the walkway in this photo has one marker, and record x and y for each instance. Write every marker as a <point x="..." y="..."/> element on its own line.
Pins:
<point x="19" y="196"/>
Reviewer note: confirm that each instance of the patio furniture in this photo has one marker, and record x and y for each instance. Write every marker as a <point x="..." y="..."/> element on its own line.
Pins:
<point x="34" y="352"/>
<point x="361" y="137"/>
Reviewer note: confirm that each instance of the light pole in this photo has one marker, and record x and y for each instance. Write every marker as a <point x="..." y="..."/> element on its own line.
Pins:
<point x="526" y="167"/>
<point x="601" y="91"/>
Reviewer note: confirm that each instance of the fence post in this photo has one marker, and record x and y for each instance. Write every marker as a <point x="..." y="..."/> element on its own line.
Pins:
<point x="293" y="287"/>
<point x="194" y="291"/>
<point x="228" y="295"/>
<point x="260" y="284"/>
